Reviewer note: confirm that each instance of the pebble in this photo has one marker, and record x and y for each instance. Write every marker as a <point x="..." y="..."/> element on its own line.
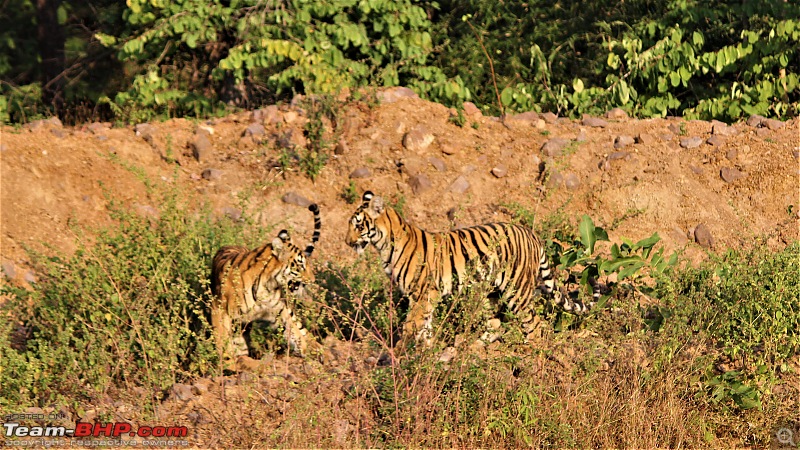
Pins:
<point x="437" y="163"/>
<point x="500" y="171"/>
<point x="201" y="147"/>
<point x="572" y="182"/>
<point x="9" y="269"/>
<point x="716" y="140"/>
<point x="691" y="142"/>
<point x="773" y="124"/>
<point x="341" y="148"/>
<point x="269" y="115"/>
<point x="182" y="392"/>
<point x="471" y="110"/>
<point x="730" y="174"/>
<point x="732" y="154"/>
<point x="549" y="117"/>
<point x="361" y="172"/>
<point x="449" y="149"/>
<point x="623" y="141"/>
<point x="419" y="183"/>
<point x="211" y="174"/>
<point x="254" y="129"/>
<point x="395" y="94"/>
<point x="645" y="139"/>
<point x="418" y="139"/>
<point x="555" y="180"/>
<point x="460" y="185"/>
<point x="702" y="235"/>
<point x="594" y="122"/>
<point x="619" y="155"/>
<point x="723" y="129"/>
<point x="293" y="198"/>
<point x="755" y="120"/>
<point x="145" y="131"/>
<point x="234" y="214"/>
<point x="554" y="146"/>
<point x="616" y="113"/>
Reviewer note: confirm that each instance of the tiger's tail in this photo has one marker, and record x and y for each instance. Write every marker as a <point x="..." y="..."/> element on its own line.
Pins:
<point x="560" y="298"/>
<point x="317" y="227"/>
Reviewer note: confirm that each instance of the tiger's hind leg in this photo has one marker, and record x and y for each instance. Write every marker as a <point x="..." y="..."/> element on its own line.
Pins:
<point x="418" y="327"/>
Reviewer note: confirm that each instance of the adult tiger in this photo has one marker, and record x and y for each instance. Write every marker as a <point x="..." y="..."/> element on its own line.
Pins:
<point x="249" y="285"/>
<point x="427" y="266"/>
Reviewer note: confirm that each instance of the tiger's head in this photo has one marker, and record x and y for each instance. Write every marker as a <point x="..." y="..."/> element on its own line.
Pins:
<point x="295" y="271"/>
<point x="361" y="229"/>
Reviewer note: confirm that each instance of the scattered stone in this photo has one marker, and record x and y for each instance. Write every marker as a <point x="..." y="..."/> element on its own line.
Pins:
<point x="182" y="392"/>
<point x="437" y="163"/>
<point x="361" y="172"/>
<point x="232" y="213"/>
<point x="3" y="147"/>
<point x="201" y="147"/>
<point x="394" y="94"/>
<point x="722" y="129"/>
<point x="500" y="171"/>
<point x="716" y="140"/>
<point x="9" y="269"/>
<point x="620" y="155"/>
<point x="294" y="198"/>
<point x="460" y="185"/>
<point x="732" y="154"/>
<point x="595" y="122"/>
<point x="555" y="180"/>
<point x="773" y="124"/>
<point x="29" y="277"/>
<point x="471" y="110"/>
<point x="58" y="132"/>
<point x="679" y="236"/>
<point x="763" y="132"/>
<point x="469" y="168"/>
<point x="730" y="174"/>
<point x="675" y="128"/>
<point x="666" y="137"/>
<point x="549" y="117"/>
<point x="254" y="129"/>
<point x="645" y="139"/>
<point x="212" y="174"/>
<point x="696" y="170"/>
<point x="419" y="183"/>
<point x="529" y="116"/>
<point x="98" y="127"/>
<point x="145" y="131"/>
<point x="341" y="148"/>
<point x="102" y="138"/>
<point x="447" y="354"/>
<point x="291" y="139"/>
<point x="755" y="120"/>
<point x="418" y="139"/>
<point x="554" y="146"/>
<point x="616" y="114"/>
<point x="702" y="236"/>
<point x="572" y="182"/>
<point x="623" y="141"/>
<point x="267" y="115"/>
<point x="691" y="142"/>
<point x="796" y="154"/>
<point x="146" y="211"/>
<point x="290" y="116"/>
<point x="449" y="149"/>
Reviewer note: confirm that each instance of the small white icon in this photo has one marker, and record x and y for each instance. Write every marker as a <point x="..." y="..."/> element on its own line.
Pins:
<point x="785" y="437"/>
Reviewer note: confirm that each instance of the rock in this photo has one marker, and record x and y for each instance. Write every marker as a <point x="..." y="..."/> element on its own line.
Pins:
<point x="58" y="132"/>
<point x="763" y="132"/>
<point x="555" y="180"/>
<point x="460" y="185"/>
<point x="623" y="141"/>
<point x="679" y="236"/>
<point x="755" y="120"/>
<point x="645" y="139"/>
<point x="619" y="155"/>
<point x="201" y="147"/>
<point x="290" y="117"/>
<point x="418" y="139"/>
<point x="145" y="131"/>
<point x="796" y="154"/>
<point x="98" y="127"/>
<point x="529" y="116"/>
<point x="730" y="174"/>
<point x="500" y="171"/>
<point x="291" y="139"/>
<point x="722" y="129"/>
<point x="549" y="117"/>
<point x="254" y="129"/>
<point x="267" y="115"/>
<point x="395" y="94"/>
<point x="773" y="124"/>
<point x="696" y="170"/>
<point x="732" y="154"/>
<point x="581" y="137"/>
<point x="234" y="214"/>
<point x="361" y="172"/>
<point x="9" y="269"/>
<point x="449" y="149"/>
<point x="293" y="198"/>
<point x="703" y="237"/>
<point x="437" y="163"/>
<point x="202" y="386"/>
<point x="182" y="392"/>
<point x="419" y="183"/>
<point x="572" y="182"/>
<point x="471" y="110"/>
<point x="29" y="277"/>
<point x="716" y="140"/>
<point x="675" y="128"/>
<point x="212" y="174"/>
<point x="616" y="114"/>
<point x="691" y="142"/>
<point x="341" y="148"/>
<point x="146" y="211"/>
<point x="595" y="122"/>
<point x="554" y="146"/>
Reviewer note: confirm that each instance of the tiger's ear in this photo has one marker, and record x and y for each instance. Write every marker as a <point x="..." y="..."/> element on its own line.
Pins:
<point x="376" y="207"/>
<point x="277" y="245"/>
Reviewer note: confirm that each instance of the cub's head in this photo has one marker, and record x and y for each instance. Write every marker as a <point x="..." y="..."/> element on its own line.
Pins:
<point x="361" y="229"/>
<point x="293" y="268"/>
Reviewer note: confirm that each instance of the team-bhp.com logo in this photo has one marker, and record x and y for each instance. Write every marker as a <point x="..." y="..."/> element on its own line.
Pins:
<point x="84" y="429"/>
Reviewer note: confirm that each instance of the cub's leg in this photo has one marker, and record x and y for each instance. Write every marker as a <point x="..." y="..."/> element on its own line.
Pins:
<point x="418" y="326"/>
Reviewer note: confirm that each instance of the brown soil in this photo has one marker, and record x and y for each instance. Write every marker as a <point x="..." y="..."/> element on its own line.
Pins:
<point x="53" y="177"/>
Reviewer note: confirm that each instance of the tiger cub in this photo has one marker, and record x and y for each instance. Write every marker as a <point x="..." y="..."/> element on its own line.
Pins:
<point x="249" y="285"/>
<point x="428" y="266"/>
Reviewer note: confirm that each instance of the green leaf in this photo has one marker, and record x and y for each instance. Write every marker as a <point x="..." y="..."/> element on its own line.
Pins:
<point x="507" y="96"/>
<point x="586" y="229"/>
<point x="577" y="85"/>
<point x="674" y="79"/>
<point x="630" y="270"/>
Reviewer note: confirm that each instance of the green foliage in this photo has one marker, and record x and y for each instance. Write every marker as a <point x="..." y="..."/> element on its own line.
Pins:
<point x="350" y="193"/>
<point x="129" y="310"/>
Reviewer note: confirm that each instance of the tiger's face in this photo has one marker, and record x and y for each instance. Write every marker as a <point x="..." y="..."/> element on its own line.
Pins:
<point x="361" y="230"/>
<point x="294" y="271"/>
